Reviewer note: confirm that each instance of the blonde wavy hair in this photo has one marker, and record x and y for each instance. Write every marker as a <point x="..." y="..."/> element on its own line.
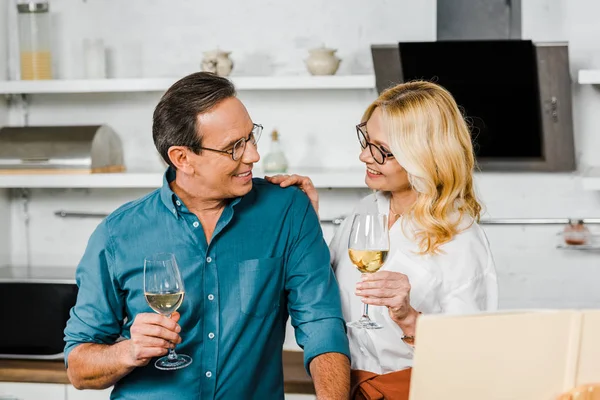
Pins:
<point x="430" y="138"/>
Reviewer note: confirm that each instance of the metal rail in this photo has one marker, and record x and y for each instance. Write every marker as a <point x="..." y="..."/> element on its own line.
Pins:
<point x="339" y="220"/>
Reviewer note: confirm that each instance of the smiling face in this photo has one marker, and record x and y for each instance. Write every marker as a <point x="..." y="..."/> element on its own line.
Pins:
<point x="216" y="175"/>
<point x="430" y="176"/>
<point x="389" y="176"/>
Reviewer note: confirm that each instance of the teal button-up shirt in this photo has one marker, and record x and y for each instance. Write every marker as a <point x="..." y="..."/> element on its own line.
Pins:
<point x="267" y="260"/>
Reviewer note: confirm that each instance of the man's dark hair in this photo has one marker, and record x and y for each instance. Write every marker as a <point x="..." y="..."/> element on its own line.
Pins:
<point x="175" y="116"/>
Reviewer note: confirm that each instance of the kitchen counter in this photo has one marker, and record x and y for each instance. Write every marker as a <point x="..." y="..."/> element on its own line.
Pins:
<point x="296" y="379"/>
<point x="33" y="371"/>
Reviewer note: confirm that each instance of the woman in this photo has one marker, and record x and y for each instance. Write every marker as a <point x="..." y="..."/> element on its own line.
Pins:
<point x="419" y="160"/>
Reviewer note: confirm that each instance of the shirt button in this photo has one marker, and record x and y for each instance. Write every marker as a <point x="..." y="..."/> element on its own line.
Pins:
<point x="196" y="224"/>
<point x="208" y="259"/>
<point x="211" y="335"/>
<point x="211" y="297"/>
<point x="178" y="202"/>
<point x="208" y="374"/>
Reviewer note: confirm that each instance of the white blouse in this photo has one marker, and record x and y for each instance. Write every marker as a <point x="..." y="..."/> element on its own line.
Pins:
<point x="459" y="280"/>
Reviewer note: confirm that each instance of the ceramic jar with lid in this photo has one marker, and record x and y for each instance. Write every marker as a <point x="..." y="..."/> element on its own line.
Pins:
<point x="576" y="233"/>
<point x="217" y="62"/>
<point x="322" y="61"/>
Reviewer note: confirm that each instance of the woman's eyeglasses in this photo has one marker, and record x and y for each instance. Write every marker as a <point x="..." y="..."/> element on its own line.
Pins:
<point x="378" y="154"/>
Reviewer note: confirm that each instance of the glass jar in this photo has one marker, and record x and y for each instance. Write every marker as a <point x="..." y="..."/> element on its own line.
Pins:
<point x="94" y="59"/>
<point x="275" y="161"/>
<point x="34" y="40"/>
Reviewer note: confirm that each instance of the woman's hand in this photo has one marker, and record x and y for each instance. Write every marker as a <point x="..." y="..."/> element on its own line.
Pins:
<point x="303" y="182"/>
<point x="390" y="289"/>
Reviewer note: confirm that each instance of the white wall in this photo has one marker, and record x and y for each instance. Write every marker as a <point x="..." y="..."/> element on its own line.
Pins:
<point x="533" y="273"/>
<point x="575" y="22"/>
<point x="3" y="57"/>
<point x="5" y="230"/>
<point x="266" y="37"/>
<point x="4" y="41"/>
<point x="583" y="32"/>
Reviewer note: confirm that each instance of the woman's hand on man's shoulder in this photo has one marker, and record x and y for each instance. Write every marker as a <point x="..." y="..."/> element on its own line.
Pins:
<point x="303" y="182"/>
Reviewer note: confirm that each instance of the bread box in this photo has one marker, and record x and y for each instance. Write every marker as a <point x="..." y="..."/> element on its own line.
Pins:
<point x="60" y="150"/>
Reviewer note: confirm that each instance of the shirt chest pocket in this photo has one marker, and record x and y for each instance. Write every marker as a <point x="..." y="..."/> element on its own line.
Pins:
<point x="260" y="285"/>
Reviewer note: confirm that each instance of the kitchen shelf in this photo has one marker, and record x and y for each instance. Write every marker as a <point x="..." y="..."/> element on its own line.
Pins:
<point x="162" y="84"/>
<point x="591" y="241"/>
<point x="335" y="178"/>
<point x="589" y="76"/>
<point x="591" y="179"/>
<point x="580" y="247"/>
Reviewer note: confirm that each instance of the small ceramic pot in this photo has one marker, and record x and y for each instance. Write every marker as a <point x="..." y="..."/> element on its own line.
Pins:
<point x="217" y="62"/>
<point x="322" y="61"/>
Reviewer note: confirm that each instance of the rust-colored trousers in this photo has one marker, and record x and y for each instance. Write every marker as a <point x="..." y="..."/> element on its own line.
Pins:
<point x="370" y="386"/>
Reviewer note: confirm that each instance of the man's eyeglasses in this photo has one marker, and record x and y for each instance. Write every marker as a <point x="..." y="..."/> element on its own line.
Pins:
<point x="378" y="154"/>
<point x="238" y="148"/>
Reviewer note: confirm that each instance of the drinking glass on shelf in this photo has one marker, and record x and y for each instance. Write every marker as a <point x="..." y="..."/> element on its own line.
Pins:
<point x="163" y="288"/>
<point x="368" y="247"/>
<point x="94" y="58"/>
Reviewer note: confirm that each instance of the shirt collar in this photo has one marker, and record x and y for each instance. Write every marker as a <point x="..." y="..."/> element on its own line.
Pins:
<point x="383" y="202"/>
<point x="170" y="199"/>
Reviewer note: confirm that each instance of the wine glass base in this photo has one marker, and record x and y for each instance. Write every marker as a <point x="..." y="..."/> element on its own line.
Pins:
<point x="166" y="364"/>
<point x="364" y="324"/>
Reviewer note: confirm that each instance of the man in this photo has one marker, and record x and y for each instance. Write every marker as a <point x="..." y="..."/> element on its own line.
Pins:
<point x="249" y="253"/>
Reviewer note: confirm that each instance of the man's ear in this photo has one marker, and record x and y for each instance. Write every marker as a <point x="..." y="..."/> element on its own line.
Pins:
<point x="180" y="157"/>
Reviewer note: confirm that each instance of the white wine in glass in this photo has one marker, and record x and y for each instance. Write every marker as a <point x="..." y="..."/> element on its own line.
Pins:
<point x="163" y="288"/>
<point x="368" y="261"/>
<point x="165" y="303"/>
<point x="368" y="247"/>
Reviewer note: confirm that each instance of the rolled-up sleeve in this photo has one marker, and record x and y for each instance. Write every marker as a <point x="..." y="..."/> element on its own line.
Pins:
<point x="98" y="312"/>
<point x="312" y="290"/>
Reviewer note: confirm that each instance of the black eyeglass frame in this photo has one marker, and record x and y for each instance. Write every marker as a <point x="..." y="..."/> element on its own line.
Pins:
<point x="364" y="142"/>
<point x="253" y="138"/>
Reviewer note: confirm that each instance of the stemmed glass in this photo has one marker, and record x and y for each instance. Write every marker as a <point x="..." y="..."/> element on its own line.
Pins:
<point x="164" y="293"/>
<point x="368" y="247"/>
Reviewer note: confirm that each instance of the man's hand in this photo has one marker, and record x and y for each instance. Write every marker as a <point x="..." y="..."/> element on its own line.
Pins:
<point x="152" y="335"/>
<point x="100" y="366"/>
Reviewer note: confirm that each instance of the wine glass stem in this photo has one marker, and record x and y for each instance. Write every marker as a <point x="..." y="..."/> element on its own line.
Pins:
<point x="172" y="355"/>
<point x="365" y="314"/>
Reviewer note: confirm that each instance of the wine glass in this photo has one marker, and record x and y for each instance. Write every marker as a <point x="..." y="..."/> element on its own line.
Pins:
<point x="368" y="247"/>
<point x="164" y="293"/>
